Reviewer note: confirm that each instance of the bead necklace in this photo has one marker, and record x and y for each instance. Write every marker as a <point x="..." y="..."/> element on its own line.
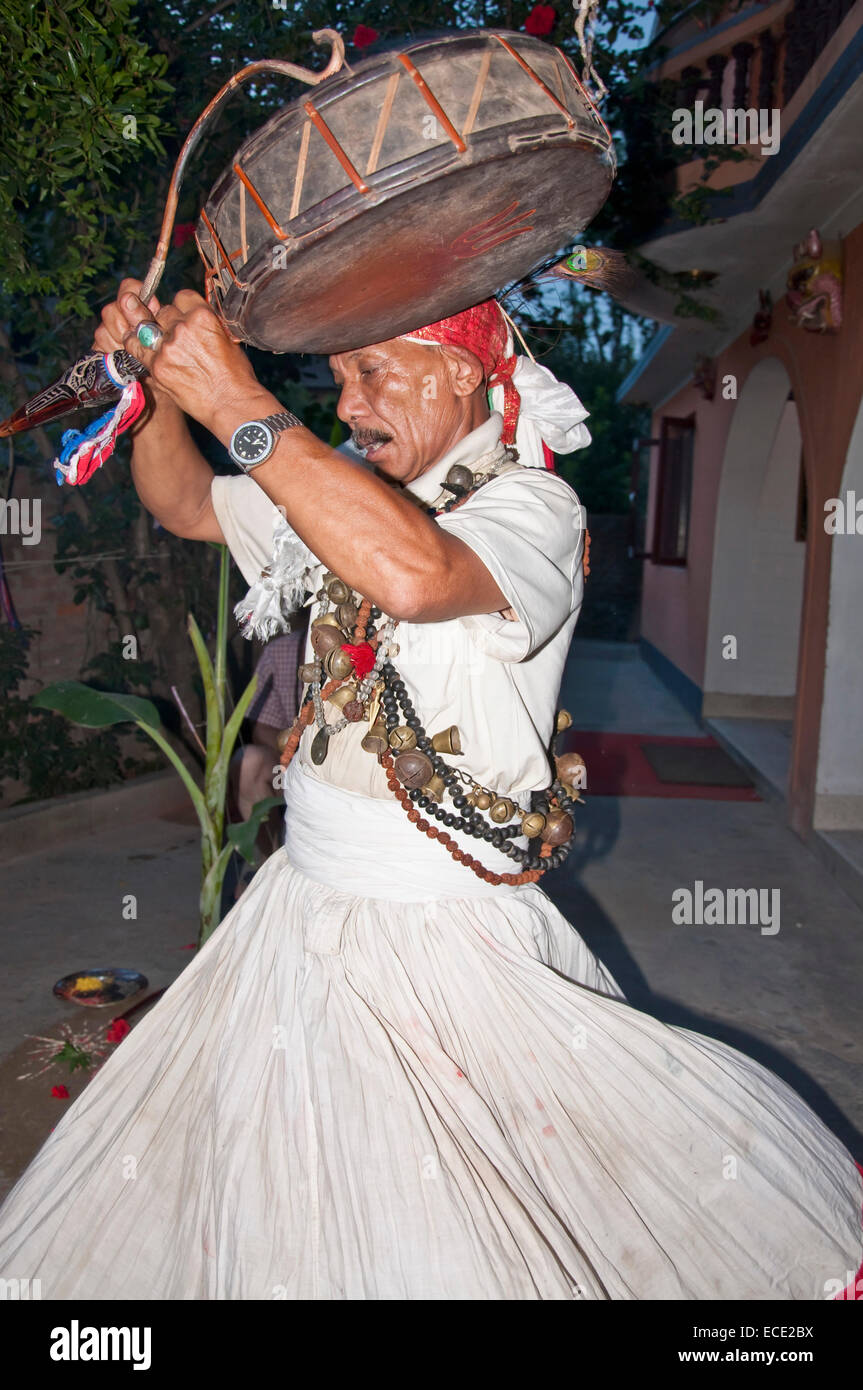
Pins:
<point x="364" y="684"/>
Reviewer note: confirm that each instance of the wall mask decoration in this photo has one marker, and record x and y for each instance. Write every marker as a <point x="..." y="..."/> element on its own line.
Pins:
<point x="814" y="292"/>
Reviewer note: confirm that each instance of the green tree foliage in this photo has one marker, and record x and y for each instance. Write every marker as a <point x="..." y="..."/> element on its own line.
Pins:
<point x="44" y="752"/>
<point x="74" y="82"/>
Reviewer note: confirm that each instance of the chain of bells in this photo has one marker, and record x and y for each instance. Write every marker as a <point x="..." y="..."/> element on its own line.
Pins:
<point x="352" y="670"/>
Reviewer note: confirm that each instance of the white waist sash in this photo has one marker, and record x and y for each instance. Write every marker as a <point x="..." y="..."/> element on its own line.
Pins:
<point x="366" y="846"/>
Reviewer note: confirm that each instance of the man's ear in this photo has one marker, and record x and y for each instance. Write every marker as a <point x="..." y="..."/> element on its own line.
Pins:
<point x="465" y="370"/>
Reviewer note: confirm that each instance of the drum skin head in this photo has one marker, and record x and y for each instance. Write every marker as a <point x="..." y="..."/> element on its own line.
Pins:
<point x="435" y="228"/>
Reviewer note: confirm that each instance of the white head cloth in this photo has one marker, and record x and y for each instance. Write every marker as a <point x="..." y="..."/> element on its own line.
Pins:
<point x="550" y="412"/>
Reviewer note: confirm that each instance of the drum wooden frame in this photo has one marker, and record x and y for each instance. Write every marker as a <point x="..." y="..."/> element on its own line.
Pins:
<point x="419" y="183"/>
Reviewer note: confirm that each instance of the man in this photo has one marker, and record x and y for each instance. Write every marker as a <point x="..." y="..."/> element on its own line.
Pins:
<point x="395" y="1071"/>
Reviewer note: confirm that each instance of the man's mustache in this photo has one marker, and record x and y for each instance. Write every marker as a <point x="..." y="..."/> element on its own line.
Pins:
<point x="366" y="439"/>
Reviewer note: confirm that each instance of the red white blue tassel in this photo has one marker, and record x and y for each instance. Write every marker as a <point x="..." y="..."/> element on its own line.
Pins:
<point x="84" y="451"/>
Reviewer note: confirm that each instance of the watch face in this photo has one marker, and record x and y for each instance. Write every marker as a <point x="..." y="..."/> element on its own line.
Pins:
<point x="252" y="443"/>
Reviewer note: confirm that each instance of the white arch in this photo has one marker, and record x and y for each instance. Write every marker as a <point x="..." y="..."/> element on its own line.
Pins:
<point x="756" y="591"/>
<point x="839" y="778"/>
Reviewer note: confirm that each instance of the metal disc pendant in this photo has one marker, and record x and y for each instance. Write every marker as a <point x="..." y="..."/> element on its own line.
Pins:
<point x="320" y="747"/>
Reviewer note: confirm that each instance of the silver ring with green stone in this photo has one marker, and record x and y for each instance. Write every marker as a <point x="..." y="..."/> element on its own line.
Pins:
<point x="149" y="335"/>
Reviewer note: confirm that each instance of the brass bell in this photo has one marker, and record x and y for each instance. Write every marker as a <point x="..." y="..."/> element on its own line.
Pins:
<point x="308" y="672"/>
<point x="482" y="800"/>
<point x="434" y="789"/>
<point x="502" y="810"/>
<point x="325" y="639"/>
<point x="338" y="592"/>
<point x="563" y="721"/>
<point x="559" y="828"/>
<point x="413" y="769"/>
<point x="458" y="480"/>
<point x="282" y="739"/>
<point x="375" y="741"/>
<point x="533" y="824"/>
<point x="448" y="741"/>
<point x="571" y="769"/>
<point x="347" y="614"/>
<point x="338" y="664"/>
<point x="403" y="738"/>
<point x="325" y="620"/>
<point x="342" y="696"/>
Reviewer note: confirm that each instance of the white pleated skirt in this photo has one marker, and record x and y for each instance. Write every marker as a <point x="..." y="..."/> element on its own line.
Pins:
<point x="383" y="1079"/>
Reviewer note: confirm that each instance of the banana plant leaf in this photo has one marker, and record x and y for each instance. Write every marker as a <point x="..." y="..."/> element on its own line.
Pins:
<point x="96" y="709"/>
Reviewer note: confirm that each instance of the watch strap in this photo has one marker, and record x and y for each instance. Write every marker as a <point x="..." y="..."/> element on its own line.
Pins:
<point x="283" y="420"/>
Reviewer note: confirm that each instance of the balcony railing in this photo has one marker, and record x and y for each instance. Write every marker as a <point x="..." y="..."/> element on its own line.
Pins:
<point x="768" y="72"/>
<point x="753" y="67"/>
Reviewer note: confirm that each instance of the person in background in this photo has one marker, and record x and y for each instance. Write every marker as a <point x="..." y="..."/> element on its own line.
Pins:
<point x="272" y="711"/>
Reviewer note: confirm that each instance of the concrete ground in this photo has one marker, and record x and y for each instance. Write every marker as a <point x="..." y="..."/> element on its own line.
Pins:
<point x="790" y="999"/>
<point x="764" y="743"/>
<point x="63" y="910"/>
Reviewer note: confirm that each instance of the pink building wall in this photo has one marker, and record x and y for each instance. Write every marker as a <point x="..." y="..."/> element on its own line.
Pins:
<point x="826" y="374"/>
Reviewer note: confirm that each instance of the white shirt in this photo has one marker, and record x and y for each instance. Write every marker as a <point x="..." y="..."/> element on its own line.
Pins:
<point x="496" y="679"/>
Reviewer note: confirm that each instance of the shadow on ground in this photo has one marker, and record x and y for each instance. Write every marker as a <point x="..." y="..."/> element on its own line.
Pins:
<point x="599" y="833"/>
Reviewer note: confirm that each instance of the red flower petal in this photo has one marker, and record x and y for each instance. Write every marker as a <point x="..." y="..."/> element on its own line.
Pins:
<point x="60" y="1092"/>
<point x="182" y="232"/>
<point x="362" y="655"/>
<point x="363" y="36"/>
<point x="117" y="1030"/>
<point x="540" y="21"/>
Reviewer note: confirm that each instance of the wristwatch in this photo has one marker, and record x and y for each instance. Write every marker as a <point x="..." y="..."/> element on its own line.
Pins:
<point x="253" y="442"/>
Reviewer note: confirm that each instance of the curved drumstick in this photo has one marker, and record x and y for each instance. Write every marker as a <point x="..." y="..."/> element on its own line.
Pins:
<point x="99" y="378"/>
<point x="337" y="58"/>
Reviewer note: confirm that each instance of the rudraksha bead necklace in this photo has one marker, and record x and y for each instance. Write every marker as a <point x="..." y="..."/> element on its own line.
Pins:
<point x="365" y="685"/>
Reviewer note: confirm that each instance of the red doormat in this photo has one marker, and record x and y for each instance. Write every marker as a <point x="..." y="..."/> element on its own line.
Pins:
<point x="618" y="766"/>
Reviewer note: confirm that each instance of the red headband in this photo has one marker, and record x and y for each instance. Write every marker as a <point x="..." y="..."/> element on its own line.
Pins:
<point x="483" y="331"/>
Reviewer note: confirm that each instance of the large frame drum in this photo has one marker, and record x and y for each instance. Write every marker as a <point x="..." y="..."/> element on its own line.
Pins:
<point x="417" y="184"/>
